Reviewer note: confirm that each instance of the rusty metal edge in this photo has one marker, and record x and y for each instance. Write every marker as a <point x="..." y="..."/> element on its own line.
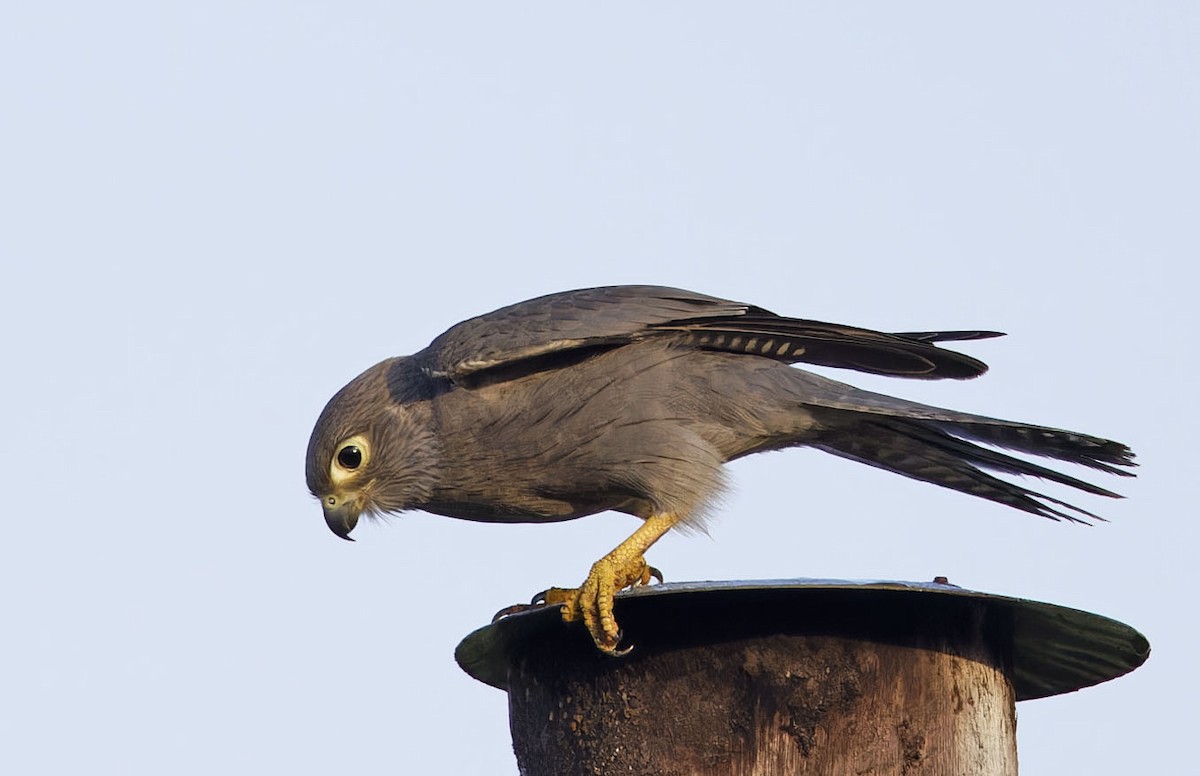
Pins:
<point x="1056" y="649"/>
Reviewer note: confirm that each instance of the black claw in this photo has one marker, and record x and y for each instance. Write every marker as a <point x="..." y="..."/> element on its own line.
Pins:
<point x="514" y="609"/>
<point x="656" y="574"/>
<point x="539" y="598"/>
<point x="614" y="652"/>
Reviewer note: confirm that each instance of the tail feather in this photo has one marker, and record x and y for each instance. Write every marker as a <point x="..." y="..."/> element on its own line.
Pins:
<point x="949" y="430"/>
<point x="997" y="461"/>
<point x="920" y="450"/>
<point x="1094" y="452"/>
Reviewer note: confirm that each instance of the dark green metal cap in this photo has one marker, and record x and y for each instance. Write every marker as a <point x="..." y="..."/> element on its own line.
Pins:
<point x="1054" y="649"/>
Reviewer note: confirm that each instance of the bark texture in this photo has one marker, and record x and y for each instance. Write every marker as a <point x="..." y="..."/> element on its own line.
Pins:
<point x="905" y="693"/>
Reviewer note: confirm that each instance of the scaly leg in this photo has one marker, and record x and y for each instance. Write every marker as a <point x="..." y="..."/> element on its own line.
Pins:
<point x="624" y="567"/>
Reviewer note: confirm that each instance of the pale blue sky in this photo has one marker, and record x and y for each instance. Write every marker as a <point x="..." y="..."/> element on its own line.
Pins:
<point x="214" y="215"/>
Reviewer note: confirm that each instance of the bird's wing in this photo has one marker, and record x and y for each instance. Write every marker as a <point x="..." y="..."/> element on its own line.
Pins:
<point x="587" y="318"/>
<point x="616" y="315"/>
<point x="949" y="336"/>
<point x="796" y="340"/>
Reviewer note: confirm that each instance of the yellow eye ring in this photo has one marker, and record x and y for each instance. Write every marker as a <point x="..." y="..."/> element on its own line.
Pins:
<point x="350" y="457"/>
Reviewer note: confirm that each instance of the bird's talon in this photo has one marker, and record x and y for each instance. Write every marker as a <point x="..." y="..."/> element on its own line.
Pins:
<point x="613" y="648"/>
<point x="514" y="609"/>
<point x="592" y="602"/>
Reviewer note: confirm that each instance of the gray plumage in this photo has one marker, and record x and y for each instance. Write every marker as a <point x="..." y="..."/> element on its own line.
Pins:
<point x="631" y="398"/>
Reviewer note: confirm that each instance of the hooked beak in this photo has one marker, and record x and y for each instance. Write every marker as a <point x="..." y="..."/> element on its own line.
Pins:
<point x="341" y="515"/>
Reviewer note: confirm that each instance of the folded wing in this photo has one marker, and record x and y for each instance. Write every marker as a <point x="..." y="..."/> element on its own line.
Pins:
<point x="572" y="322"/>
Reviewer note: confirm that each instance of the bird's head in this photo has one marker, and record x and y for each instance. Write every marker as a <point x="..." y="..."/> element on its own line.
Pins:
<point x="368" y="454"/>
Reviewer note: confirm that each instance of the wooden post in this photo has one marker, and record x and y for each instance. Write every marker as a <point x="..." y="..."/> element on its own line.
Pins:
<point x="825" y="678"/>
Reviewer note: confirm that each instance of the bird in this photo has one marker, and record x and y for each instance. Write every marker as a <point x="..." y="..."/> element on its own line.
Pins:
<point x="632" y="399"/>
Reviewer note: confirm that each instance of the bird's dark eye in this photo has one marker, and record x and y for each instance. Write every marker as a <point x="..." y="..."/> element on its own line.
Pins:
<point x="350" y="457"/>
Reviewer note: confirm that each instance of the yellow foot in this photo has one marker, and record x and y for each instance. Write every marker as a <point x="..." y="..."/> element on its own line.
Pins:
<point x="624" y="567"/>
<point x="593" y="600"/>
